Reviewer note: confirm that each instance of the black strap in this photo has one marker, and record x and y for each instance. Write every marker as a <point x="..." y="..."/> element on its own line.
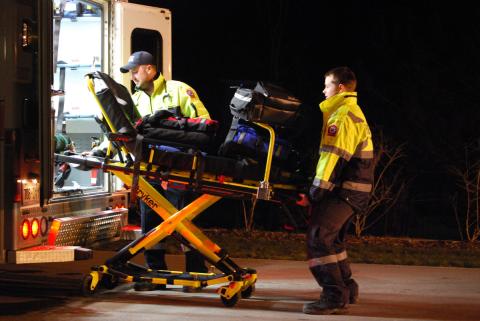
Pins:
<point x="200" y="169"/>
<point x="233" y="129"/>
<point x="134" y="187"/>
<point x="195" y="109"/>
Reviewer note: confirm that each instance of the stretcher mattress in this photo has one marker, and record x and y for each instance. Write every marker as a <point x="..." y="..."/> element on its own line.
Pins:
<point x="118" y="111"/>
<point x="238" y="169"/>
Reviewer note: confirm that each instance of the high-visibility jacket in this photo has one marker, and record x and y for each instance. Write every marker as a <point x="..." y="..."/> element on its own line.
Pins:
<point x="346" y="150"/>
<point x="171" y="95"/>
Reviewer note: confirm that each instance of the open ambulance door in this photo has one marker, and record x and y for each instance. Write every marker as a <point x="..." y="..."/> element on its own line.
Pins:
<point x="138" y="27"/>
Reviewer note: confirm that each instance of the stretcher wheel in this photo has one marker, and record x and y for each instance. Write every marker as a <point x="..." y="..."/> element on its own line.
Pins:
<point x="109" y="281"/>
<point x="248" y="291"/>
<point x="232" y="301"/>
<point x="87" y="286"/>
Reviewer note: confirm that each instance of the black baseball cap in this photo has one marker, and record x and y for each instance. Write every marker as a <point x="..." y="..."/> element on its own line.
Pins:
<point x="136" y="59"/>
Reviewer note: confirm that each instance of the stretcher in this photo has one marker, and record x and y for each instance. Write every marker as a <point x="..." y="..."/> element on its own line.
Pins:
<point x="211" y="177"/>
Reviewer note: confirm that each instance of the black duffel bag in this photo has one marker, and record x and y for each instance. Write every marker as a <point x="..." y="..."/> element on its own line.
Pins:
<point x="166" y="126"/>
<point x="266" y="103"/>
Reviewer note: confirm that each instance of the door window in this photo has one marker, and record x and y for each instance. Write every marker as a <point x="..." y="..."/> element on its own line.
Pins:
<point x="78" y="44"/>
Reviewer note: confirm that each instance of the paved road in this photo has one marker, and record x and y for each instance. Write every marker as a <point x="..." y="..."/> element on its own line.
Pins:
<point x="388" y="292"/>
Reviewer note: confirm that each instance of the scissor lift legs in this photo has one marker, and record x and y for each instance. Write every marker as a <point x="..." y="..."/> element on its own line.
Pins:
<point x="240" y="282"/>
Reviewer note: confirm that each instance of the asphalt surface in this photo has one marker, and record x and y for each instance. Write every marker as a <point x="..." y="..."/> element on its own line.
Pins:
<point x="387" y="292"/>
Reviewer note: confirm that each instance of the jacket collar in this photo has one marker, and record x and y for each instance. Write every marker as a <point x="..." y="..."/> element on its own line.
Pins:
<point x="331" y="104"/>
<point x="159" y="85"/>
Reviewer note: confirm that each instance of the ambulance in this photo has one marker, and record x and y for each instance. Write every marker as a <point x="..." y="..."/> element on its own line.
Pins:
<point x="50" y="211"/>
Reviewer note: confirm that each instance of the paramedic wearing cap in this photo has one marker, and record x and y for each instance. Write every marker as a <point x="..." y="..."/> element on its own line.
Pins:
<point x="154" y="93"/>
<point x="342" y="185"/>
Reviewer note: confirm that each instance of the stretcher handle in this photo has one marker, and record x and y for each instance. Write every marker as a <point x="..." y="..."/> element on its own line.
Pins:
<point x="91" y="88"/>
<point x="271" y="145"/>
<point x="85" y="162"/>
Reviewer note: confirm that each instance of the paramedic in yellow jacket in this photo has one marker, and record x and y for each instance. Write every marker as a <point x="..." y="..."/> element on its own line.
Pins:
<point x="342" y="185"/>
<point x="154" y="93"/>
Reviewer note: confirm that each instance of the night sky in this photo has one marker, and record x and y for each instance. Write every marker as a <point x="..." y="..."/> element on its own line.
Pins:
<point x="417" y="64"/>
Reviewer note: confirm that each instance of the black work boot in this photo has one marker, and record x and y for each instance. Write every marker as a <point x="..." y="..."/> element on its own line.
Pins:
<point x="156" y="261"/>
<point x="352" y="291"/>
<point x="329" y="277"/>
<point x="325" y="305"/>
<point x="352" y="285"/>
<point x="194" y="262"/>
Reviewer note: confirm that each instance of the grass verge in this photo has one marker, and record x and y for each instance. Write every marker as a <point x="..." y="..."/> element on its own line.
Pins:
<point x="379" y="250"/>
<point x="368" y="249"/>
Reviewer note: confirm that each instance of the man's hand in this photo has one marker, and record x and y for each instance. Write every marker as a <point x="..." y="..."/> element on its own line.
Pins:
<point x="316" y="193"/>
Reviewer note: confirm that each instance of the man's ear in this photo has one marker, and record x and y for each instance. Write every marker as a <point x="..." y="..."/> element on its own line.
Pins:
<point x="342" y="88"/>
<point x="152" y="70"/>
<point x="149" y="69"/>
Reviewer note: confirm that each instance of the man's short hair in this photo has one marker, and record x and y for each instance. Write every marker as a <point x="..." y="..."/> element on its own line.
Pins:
<point x="343" y="75"/>
<point x="136" y="59"/>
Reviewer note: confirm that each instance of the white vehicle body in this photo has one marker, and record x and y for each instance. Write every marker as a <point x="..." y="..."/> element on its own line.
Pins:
<point x="47" y="48"/>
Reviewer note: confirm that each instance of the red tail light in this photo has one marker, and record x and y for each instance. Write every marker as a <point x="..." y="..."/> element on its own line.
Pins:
<point x="35" y="228"/>
<point x="25" y="229"/>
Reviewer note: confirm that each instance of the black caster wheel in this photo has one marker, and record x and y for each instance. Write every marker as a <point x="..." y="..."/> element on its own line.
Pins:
<point x="248" y="291"/>
<point x="232" y="301"/>
<point x="109" y="281"/>
<point x="87" y="286"/>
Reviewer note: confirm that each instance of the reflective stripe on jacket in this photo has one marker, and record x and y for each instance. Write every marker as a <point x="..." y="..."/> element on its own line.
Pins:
<point x="172" y="95"/>
<point x="346" y="150"/>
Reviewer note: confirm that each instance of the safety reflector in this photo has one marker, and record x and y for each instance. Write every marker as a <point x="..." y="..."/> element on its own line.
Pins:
<point x="52" y="235"/>
<point x="93" y="177"/>
<point x="43" y="226"/>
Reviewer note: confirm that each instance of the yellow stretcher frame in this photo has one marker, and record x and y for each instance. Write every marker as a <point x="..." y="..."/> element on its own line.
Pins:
<point x="240" y="281"/>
